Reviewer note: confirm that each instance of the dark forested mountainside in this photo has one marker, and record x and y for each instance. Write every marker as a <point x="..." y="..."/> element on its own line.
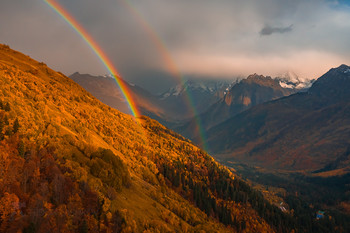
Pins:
<point x="305" y="131"/>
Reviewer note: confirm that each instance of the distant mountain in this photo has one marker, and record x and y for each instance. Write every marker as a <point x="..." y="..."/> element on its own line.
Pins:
<point x="199" y="93"/>
<point x="103" y="88"/>
<point x="305" y="131"/>
<point x="170" y="108"/>
<point x="292" y="81"/>
<point x="107" y="91"/>
<point x="253" y="90"/>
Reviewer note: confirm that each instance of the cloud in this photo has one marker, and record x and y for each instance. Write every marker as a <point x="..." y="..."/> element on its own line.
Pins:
<point x="242" y="65"/>
<point x="204" y="38"/>
<point x="268" y="30"/>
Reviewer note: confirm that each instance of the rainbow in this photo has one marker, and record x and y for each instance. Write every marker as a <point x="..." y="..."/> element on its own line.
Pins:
<point x="160" y="45"/>
<point x="98" y="51"/>
<point x="171" y="65"/>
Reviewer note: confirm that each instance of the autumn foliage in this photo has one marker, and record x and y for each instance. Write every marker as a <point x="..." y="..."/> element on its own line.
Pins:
<point x="69" y="163"/>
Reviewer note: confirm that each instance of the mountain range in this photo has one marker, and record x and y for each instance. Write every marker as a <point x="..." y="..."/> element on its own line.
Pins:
<point x="214" y="101"/>
<point x="170" y="108"/>
<point x="253" y="90"/>
<point x="307" y="131"/>
<point x="198" y="94"/>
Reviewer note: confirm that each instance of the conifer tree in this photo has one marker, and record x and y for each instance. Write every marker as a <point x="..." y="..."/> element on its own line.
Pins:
<point x="16" y="126"/>
<point x="7" y="107"/>
<point x="1" y="129"/>
<point x="21" y="149"/>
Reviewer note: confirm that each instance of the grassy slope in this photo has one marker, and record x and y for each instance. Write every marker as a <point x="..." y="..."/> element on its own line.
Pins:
<point x="58" y="116"/>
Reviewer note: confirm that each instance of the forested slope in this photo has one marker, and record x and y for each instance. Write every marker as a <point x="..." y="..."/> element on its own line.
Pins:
<point x="69" y="163"/>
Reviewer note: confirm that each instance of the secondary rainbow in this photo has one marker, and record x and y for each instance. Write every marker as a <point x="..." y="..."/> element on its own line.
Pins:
<point x="98" y="51"/>
<point x="171" y="65"/>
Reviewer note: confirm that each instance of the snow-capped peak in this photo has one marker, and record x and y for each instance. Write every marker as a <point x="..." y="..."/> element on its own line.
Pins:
<point x="286" y="85"/>
<point x="203" y="86"/>
<point x="108" y="76"/>
<point x="293" y="81"/>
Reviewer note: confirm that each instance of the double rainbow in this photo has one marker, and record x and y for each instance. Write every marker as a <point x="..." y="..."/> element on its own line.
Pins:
<point x="160" y="45"/>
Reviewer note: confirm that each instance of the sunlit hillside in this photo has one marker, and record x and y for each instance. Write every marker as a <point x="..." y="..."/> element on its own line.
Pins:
<point x="69" y="163"/>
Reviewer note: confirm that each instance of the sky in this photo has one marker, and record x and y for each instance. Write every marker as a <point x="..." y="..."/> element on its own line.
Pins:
<point x="220" y="39"/>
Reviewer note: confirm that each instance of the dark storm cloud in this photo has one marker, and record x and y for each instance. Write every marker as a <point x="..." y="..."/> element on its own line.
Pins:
<point x="268" y="30"/>
<point x="204" y="38"/>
